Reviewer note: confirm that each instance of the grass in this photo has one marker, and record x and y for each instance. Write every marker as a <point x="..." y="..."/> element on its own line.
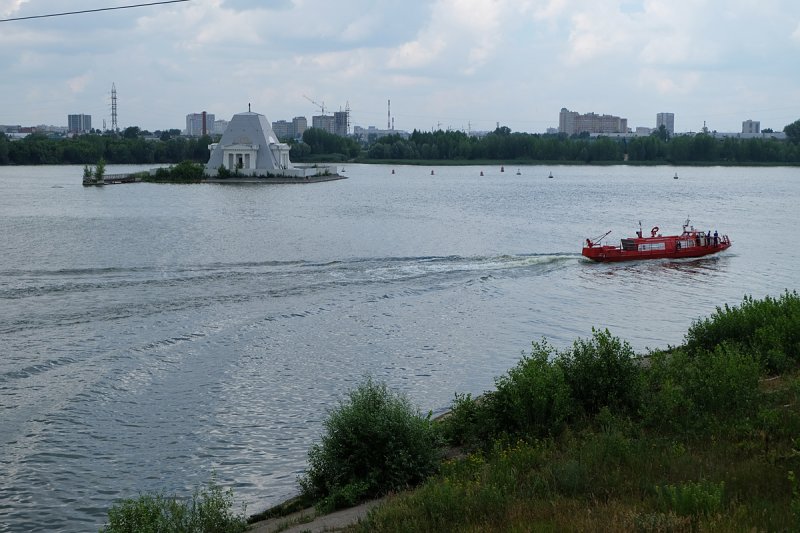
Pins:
<point x="209" y="510"/>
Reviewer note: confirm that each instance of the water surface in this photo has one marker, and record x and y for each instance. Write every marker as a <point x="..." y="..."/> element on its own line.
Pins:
<point x="151" y="334"/>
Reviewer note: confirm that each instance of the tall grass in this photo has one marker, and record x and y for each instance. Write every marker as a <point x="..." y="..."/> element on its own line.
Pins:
<point x="209" y="510"/>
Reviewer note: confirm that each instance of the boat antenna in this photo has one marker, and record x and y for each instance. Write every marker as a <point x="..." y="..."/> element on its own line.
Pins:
<point x="601" y="237"/>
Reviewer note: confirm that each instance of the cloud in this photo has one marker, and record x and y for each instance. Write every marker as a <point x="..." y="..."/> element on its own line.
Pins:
<point x="78" y="83"/>
<point x="461" y="36"/>
<point x="10" y="7"/>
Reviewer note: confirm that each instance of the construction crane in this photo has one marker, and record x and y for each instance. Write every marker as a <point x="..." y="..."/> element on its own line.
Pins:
<point x="320" y="106"/>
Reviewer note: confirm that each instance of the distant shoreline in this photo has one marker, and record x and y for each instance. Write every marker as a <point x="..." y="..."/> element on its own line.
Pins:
<point x="525" y="162"/>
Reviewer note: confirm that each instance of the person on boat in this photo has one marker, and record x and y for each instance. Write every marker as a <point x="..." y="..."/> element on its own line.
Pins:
<point x="716" y="238"/>
<point x="708" y="238"/>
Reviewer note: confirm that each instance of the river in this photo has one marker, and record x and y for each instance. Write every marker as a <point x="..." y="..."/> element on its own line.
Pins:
<point x="153" y="334"/>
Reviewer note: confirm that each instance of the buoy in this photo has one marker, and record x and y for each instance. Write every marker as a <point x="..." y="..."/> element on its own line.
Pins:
<point x="518" y="172"/>
<point x="431" y="172"/>
<point x="481" y="172"/>
<point x="676" y="176"/>
<point x="502" y="169"/>
<point x="392" y="171"/>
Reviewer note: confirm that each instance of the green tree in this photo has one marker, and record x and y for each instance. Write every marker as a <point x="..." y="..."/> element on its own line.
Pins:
<point x="100" y="170"/>
<point x="374" y="442"/>
<point x="131" y="132"/>
<point x="662" y="133"/>
<point x="3" y="149"/>
<point x="792" y="131"/>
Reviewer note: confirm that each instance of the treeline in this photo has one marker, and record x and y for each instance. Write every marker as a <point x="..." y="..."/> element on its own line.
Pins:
<point x="501" y="145"/>
<point x="318" y="144"/>
<point x="504" y="145"/>
<point x="38" y="149"/>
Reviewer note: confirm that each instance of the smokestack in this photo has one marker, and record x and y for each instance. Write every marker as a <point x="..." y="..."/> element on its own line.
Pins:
<point x="204" y="124"/>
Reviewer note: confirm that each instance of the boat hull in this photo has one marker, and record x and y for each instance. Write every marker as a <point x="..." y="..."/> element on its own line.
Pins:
<point x="688" y="245"/>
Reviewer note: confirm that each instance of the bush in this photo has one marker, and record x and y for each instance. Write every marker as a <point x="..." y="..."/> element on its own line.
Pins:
<point x="374" y="442"/>
<point x="602" y="372"/>
<point x="187" y="171"/>
<point x="533" y="398"/>
<point x="691" y="499"/>
<point x="769" y="328"/>
<point x="183" y="172"/>
<point x="208" y="511"/>
<point x="687" y="392"/>
<point x="465" y="422"/>
<point x="223" y="172"/>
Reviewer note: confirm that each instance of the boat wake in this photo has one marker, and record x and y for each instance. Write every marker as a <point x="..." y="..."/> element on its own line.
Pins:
<point x="44" y="298"/>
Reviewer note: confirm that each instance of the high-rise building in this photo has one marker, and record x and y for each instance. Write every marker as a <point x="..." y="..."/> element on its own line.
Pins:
<point x="219" y="127"/>
<point x="79" y="123"/>
<point x="340" y="123"/>
<point x="290" y="130"/>
<point x="572" y="122"/>
<point x="300" y="124"/>
<point x="323" y="122"/>
<point x="198" y="124"/>
<point x="751" y="126"/>
<point x="283" y="129"/>
<point x="667" y="120"/>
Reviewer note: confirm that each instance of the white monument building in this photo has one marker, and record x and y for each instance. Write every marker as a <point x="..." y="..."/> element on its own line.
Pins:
<point x="250" y="147"/>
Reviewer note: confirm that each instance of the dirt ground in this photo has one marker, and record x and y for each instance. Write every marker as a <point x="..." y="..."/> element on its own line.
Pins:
<point x="306" y="520"/>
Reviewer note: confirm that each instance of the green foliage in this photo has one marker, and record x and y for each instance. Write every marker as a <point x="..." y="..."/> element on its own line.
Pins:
<point x="502" y="144"/>
<point x="86" y="149"/>
<point x="208" y="511"/>
<point x="374" y="442"/>
<point x="691" y="499"/>
<point x="320" y="141"/>
<point x="464" y="422"/>
<point x="223" y="172"/>
<point x="533" y="398"/>
<point x="768" y="328"/>
<point x="700" y="392"/>
<point x="795" y="497"/>
<point x="602" y="372"/>
<point x="183" y="172"/>
<point x="792" y="131"/>
<point x="100" y="170"/>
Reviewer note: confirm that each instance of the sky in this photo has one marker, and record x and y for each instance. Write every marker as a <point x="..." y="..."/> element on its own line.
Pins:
<point x="457" y="64"/>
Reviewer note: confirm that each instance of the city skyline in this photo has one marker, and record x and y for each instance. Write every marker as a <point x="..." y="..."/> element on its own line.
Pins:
<point x="458" y="64"/>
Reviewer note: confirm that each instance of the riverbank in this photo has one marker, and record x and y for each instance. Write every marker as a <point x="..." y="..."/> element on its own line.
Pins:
<point x="513" y="163"/>
<point x="702" y="437"/>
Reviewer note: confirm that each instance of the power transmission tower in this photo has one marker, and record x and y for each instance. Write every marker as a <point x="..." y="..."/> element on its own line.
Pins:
<point x="114" y="126"/>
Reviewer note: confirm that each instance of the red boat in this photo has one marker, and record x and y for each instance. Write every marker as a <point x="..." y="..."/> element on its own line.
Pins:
<point x="690" y="243"/>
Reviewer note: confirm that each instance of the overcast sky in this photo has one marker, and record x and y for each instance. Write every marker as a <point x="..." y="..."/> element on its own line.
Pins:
<point x="443" y="63"/>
